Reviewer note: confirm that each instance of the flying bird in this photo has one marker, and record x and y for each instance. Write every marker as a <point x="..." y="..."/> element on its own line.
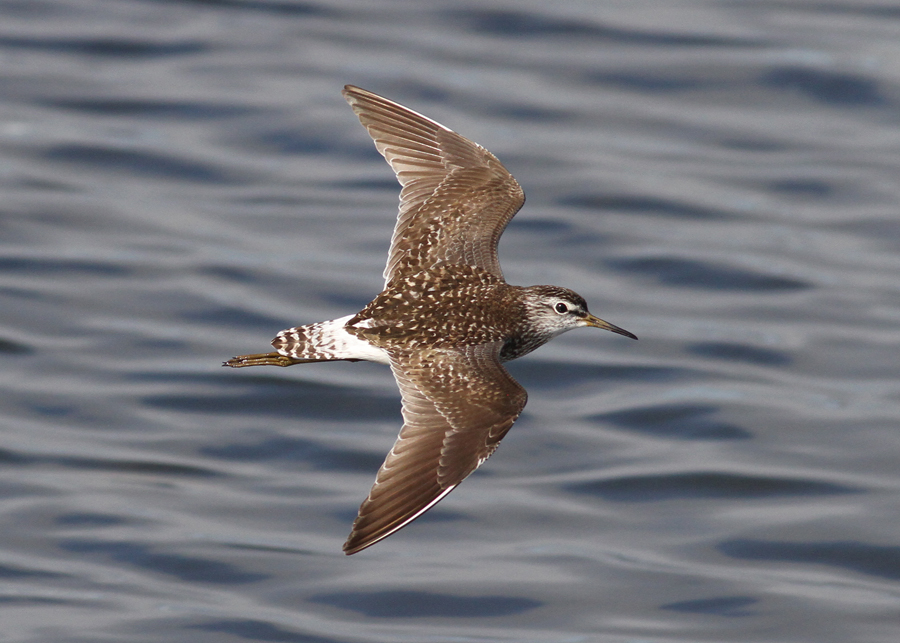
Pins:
<point x="445" y="321"/>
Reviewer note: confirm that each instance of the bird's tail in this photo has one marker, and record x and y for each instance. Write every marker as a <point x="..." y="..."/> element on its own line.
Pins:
<point x="326" y="341"/>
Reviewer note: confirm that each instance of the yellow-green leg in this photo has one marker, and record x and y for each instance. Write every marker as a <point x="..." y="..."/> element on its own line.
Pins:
<point x="262" y="359"/>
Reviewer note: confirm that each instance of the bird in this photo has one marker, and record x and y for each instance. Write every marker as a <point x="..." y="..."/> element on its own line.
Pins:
<point x="446" y="320"/>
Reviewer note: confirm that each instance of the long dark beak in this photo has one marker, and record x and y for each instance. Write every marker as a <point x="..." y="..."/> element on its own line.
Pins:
<point x="596" y="322"/>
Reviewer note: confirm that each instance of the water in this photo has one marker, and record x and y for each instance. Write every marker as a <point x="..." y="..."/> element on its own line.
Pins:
<point x="181" y="180"/>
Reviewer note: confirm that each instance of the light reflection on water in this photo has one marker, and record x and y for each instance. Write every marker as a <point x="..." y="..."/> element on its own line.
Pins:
<point x="182" y="180"/>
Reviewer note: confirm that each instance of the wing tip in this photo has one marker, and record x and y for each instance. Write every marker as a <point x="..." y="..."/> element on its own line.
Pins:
<point x="359" y="540"/>
<point x="350" y="90"/>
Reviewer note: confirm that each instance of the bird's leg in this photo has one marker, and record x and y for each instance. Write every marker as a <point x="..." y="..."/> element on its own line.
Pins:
<point x="262" y="359"/>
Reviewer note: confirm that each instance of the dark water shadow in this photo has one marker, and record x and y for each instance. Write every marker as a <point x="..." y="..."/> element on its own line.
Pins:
<point x="650" y="83"/>
<point x="291" y="141"/>
<point x="634" y="204"/>
<point x="800" y="188"/>
<point x="733" y="141"/>
<point x="350" y="299"/>
<point x="141" y="163"/>
<point x="9" y="347"/>
<point x="408" y="604"/>
<point x="293" y="8"/>
<point x="521" y="112"/>
<point x="719" y="606"/>
<point x="835" y="89"/>
<point x="732" y="352"/>
<point x="259" y="631"/>
<point x="554" y="238"/>
<point x="379" y="185"/>
<point x="185" y="568"/>
<point x="148" y="108"/>
<point x="703" y="484"/>
<point x="34" y="266"/>
<point x="13" y="573"/>
<point x="693" y="273"/>
<point x="114" y="48"/>
<point x="147" y="467"/>
<point x="296" y="450"/>
<point x="288" y="399"/>
<point x="92" y="520"/>
<point x="24" y="600"/>
<point x="533" y="25"/>
<point x="554" y="375"/>
<point x="233" y="316"/>
<point x="882" y="561"/>
<point x="232" y="274"/>
<point x="676" y="421"/>
<point x="543" y="227"/>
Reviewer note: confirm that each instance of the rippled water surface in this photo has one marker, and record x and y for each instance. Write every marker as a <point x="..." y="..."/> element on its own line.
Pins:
<point x="181" y="180"/>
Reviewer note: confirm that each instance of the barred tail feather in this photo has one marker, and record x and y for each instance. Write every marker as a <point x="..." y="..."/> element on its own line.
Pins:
<point x="324" y="342"/>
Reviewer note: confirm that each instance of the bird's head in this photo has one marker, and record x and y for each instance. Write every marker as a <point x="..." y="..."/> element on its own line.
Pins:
<point x="553" y="310"/>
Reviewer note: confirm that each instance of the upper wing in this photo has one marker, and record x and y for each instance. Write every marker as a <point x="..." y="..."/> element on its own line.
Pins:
<point x="457" y="405"/>
<point x="457" y="197"/>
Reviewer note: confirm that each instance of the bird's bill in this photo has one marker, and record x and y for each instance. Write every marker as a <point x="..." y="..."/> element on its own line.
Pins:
<point x="596" y="322"/>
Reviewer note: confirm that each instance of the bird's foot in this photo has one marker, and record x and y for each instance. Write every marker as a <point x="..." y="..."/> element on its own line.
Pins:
<point x="261" y="359"/>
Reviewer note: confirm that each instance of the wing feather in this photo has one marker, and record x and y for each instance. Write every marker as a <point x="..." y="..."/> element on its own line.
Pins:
<point x="457" y="406"/>
<point x="456" y="197"/>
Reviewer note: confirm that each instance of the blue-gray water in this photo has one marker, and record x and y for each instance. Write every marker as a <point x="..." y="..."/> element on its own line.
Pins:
<point x="181" y="180"/>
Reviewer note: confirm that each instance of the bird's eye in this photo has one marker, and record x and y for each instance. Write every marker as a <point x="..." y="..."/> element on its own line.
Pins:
<point x="561" y="308"/>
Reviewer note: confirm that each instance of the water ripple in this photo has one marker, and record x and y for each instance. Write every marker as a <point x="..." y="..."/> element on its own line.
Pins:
<point x="49" y="266"/>
<point x="141" y="163"/>
<point x="720" y="606"/>
<point x="733" y="352"/>
<point x="523" y="24"/>
<point x="260" y="631"/>
<point x="263" y="396"/>
<point x="642" y="205"/>
<point x="829" y="87"/>
<point x="408" y="604"/>
<point x="147" y="467"/>
<point x="296" y="450"/>
<point x="882" y="561"/>
<point x="173" y="110"/>
<point x="184" y="568"/>
<point x="704" y="484"/>
<point x="280" y="8"/>
<point x="676" y="421"/>
<point x="116" y="48"/>
<point x="9" y="572"/>
<point x="694" y="273"/>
